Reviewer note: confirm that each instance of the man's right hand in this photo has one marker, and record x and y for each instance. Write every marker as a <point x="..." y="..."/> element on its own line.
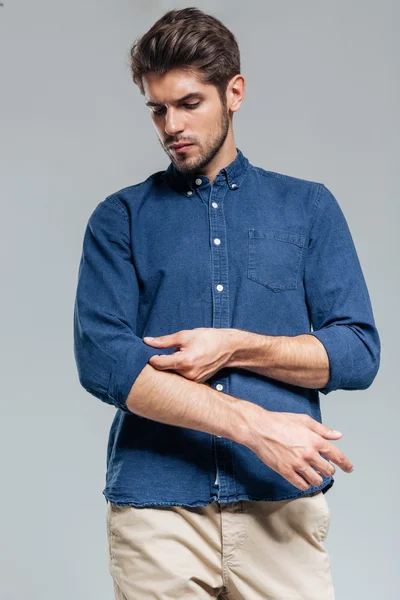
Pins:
<point x="291" y="444"/>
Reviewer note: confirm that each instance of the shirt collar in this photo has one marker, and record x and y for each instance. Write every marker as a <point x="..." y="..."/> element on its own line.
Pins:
<point x="233" y="174"/>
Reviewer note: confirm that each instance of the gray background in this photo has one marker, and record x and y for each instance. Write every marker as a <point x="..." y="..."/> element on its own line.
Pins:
<point x="322" y="87"/>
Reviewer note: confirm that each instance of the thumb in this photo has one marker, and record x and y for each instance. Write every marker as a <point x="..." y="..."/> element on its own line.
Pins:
<point x="166" y="341"/>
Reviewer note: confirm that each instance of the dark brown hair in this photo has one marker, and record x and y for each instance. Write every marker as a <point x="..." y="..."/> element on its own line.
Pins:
<point x="187" y="39"/>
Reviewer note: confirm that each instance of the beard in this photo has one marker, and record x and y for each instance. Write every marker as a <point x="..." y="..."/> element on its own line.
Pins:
<point x="211" y="148"/>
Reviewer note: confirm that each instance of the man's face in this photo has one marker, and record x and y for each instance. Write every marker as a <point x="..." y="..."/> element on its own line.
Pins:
<point x="200" y="119"/>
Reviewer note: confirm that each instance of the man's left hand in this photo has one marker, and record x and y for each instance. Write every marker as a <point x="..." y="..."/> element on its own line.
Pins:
<point x="200" y="352"/>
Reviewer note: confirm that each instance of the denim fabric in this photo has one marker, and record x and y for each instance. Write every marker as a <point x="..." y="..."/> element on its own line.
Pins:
<point x="285" y="265"/>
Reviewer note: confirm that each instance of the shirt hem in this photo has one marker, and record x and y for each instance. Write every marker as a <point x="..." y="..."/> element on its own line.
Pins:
<point x="324" y="487"/>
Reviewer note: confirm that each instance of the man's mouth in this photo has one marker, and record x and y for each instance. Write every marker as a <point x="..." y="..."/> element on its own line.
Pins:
<point x="180" y="147"/>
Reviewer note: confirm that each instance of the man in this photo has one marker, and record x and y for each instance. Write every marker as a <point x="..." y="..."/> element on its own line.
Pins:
<point x="196" y="294"/>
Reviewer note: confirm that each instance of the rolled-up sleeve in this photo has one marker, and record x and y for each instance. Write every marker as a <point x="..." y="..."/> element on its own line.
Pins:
<point x="338" y="299"/>
<point x="108" y="353"/>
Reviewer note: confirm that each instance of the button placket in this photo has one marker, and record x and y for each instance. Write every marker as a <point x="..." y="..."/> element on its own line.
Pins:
<point x="221" y="318"/>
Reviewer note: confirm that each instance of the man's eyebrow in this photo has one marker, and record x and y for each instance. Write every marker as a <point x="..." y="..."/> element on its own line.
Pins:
<point x="186" y="97"/>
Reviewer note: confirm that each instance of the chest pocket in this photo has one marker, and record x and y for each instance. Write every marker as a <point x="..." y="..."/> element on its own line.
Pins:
<point x="274" y="258"/>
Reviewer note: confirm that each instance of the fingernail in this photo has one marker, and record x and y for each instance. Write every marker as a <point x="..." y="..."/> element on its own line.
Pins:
<point x="336" y="431"/>
<point x="147" y="337"/>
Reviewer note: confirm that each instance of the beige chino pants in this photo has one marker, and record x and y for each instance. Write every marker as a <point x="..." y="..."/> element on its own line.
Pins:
<point x="244" y="550"/>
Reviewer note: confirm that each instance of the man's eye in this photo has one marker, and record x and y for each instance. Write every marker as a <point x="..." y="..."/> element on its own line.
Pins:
<point x="189" y="106"/>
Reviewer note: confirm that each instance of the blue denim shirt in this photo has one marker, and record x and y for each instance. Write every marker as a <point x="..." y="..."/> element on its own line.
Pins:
<point x="151" y="264"/>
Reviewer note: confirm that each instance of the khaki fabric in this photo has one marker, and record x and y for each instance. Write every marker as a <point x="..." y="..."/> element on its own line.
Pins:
<point x="244" y="550"/>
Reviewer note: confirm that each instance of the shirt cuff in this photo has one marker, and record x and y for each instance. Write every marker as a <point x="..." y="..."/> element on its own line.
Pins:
<point x="334" y="339"/>
<point x="126" y="371"/>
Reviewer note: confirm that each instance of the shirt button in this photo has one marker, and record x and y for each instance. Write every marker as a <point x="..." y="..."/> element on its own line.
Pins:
<point x="198" y="181"/>
<point x="217" y="241"/>
<point x="189" y="193"/>
<point x="219" y="387"/>
<point x="233" y="186"/>
<point x="220" y="287"/>
<point x="214" y="205"/>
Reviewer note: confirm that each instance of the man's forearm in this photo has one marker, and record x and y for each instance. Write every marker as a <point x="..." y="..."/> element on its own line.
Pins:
<point x="168" y="397"/>
<point x="299" y="360"/>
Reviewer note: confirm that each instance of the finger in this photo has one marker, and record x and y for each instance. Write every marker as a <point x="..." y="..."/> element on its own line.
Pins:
<point x="164" y="361"/>
<point x="309" y="474"/>
<point x="337" y="456"/>
<point x="324" y="467"/>
<point x="164" y="341"/>
<point x="296" y="480"/>
<point x="323" y="430"/>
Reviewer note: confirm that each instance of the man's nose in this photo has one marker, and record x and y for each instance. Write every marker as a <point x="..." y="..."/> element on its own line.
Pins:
<point x="173" y="123"/>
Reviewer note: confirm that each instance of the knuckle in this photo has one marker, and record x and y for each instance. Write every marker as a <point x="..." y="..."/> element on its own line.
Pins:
<point x="298" y="465"/>
<point x="319" y="443"/>
<point x="284" y="470"/>
<point x="189" y="362"/>
<point x="303" y="418"/>
<point x="308" y="454"/>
